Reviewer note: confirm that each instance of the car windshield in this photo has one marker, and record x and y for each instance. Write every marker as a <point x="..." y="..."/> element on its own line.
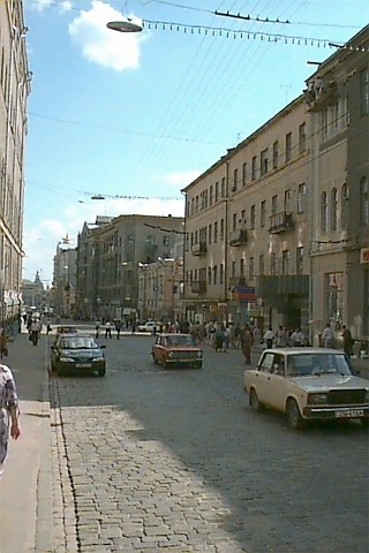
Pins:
<point x="78" y="342"/>
<point x="314" y="364"/>
<point x="178" y="340"/>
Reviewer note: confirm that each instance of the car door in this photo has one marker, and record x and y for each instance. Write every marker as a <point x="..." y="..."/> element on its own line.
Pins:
<point x="262" y="378"/>
<point x="276" y="386"/>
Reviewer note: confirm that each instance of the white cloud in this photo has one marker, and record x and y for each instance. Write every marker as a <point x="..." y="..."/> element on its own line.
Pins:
<point x="111" y="49"/>
<point x="42" y="5"/>
<point x="41" y="242"/>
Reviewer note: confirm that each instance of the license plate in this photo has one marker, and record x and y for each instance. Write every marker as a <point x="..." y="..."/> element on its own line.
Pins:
<point x="83" y="365"/>
<point x="347" y="413"/>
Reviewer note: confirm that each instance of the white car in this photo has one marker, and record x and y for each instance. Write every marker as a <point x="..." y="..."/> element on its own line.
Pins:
<point x="308" y="384"/>
<point x="149" y="326"/>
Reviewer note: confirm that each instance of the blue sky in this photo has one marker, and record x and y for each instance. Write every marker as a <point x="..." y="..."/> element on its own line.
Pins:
<point x="140" y="115"/>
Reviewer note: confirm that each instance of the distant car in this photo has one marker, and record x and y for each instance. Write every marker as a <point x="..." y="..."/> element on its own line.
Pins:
<point x="73" y="353"/>
<point x="308" y="384"/>
<point x="66" y="329"/>
<point x="149" y="326"/>
<point x="176" y="350"/>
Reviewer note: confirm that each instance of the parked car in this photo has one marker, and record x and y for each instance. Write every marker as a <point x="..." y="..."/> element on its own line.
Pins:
<point x="308" y="384"/>
<point x="176" y="350"/>
<point x="149" y="326"/>
<point x="72" y="353"/>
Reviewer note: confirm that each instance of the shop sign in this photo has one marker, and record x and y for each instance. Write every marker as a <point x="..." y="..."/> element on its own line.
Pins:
<point x="244" y="294"/>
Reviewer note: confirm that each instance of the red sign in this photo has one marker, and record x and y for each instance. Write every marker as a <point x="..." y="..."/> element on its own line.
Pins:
<point x="364" y="255"/>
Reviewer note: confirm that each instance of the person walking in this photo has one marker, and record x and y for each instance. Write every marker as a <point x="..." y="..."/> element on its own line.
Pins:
<point x="269" y="337"/>
<point x="108" y="329"/>
<point x="282" y="337"/>
<point x="246" y="340"/>
<point x="35" y="330"/>
<point x="328" y="336"/>
<point x="9" y="411"/>
<point x="297" y="338"/>
<point x="348" y="342"/>
<point x="118" y="327"/>
<point x="97" y="329"/>
<point x="3" y="344"/>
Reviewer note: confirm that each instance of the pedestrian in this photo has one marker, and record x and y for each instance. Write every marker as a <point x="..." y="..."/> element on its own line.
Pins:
<point x="219" y="339"/>
<point x="328" y="336"/>
<point x="297" y="338"/>
<point x="281" y="338"/>
<point x="3" y="344"/>
<point x="35" y="330"/>
<point x="9" y="411"/>
<point x="246" y="340"/>
<point x="108" y="329"/>
<point x="118" y="327"/>
<point x="97" y="328"/>
<point x="269" y="337"/>
<point x="348" y="342"/>
<point x="227" y="337"/>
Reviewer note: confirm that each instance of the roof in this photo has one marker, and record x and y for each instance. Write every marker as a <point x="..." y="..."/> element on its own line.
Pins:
<point x="306" y="350"/>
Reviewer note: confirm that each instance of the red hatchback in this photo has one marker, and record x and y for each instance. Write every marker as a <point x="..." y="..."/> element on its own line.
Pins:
<point x="176" y="350"/>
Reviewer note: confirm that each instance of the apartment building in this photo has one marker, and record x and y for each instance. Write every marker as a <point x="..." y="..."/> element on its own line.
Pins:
<point x="337" y="96"/>
<point x="14" y="91"/>
<point x="247" y="233"/>
<point x="109" y="257"/>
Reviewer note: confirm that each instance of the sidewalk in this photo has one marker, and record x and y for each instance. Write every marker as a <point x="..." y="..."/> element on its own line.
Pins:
<point x="26" y="509"/>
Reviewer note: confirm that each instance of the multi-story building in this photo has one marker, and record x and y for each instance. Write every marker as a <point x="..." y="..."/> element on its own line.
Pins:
<point x="247" y="237"/>
<point x="64" y="280"/>
<point x="14" y="92"/>
<point x="337" y="96"/>
<point x="108" y="262"/>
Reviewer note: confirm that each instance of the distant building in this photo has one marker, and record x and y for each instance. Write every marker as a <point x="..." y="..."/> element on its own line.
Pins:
<point x="33" y="294"/>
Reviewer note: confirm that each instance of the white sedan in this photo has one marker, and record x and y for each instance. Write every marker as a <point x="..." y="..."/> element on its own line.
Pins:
<point x="149" y="326"/>
<point x="308" y="384"/>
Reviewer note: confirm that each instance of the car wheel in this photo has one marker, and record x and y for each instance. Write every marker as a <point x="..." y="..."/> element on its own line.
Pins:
<point x="101" y="372"/>
<point x="254" y="401"/>
<point x="155" y="361"/>
<point x="295" y="420"/>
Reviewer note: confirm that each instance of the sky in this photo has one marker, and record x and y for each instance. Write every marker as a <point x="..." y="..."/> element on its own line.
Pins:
<point x="136" y="117"/>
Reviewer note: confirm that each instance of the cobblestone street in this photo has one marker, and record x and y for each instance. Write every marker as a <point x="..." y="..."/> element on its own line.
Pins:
<point x="175" y="462"/>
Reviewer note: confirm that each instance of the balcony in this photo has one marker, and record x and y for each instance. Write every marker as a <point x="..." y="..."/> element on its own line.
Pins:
<point x="237" y="281"/>
<point x="238" y="237"/>
<point x="321" y="94"/>
<point x="199" y="249"/>
<point x="280" y="222"/>
<point x="198" y="286"/>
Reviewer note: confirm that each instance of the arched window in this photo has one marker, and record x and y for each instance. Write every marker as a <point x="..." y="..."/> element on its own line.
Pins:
<point x="334" y="209"/>
<point x="324" y="213"/>
<point x="344" y="205"/>
<point x="364" y="201"/>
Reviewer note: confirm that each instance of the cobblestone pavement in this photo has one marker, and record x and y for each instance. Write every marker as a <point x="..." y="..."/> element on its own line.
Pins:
<point x="174" y="462"/>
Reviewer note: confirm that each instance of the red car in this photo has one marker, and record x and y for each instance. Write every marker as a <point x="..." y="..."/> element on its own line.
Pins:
<point x="174" y="350"/>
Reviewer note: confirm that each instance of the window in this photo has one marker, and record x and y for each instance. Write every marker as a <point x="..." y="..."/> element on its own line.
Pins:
<point x="235" y="180"/>
<point x="275" y="155"/>
<point x="335" y="117"/>
<point x="302" y="138"/>
<point x="325" y="122"/>
<point x="274" y="204"/>
<point x="253" y="168"/>
<point x="211" y="195"/>
<point x="262" y="213"/>
<point x="273" y="264"/>
<point x="299" y="260"/>
<point x="364" y="201"/>
<point x="324" y="213"/>
<point x="344" y="206"/>
<point x="221" y="273"/>
<point x="222" y="229"/>
<point x="287" y="200"/>
<point x="334" y="209"/>
<point x="261" y="264"/>
<point x="233" y="269"/>
<point x="222" y="188"/>
<point x="285" y="262"/>
<point x="215" y="274"/>
<point x="215" y="232"/>
<point x="234" y="221"/>
<point x="244" y="174"/>
<point x="216" y="195"/>
<point x="288" y="147"/>
<point x="264" y="162"/>
<point x="242" y="267"/>
<point x="166" y="241"/>
<point x="210" y="236"/>
<point x="243" y="217"/>
<point x="251" y="267"/>
<point x="252" y="217"/>
<point x="301" y="198"/>
<point x="364" y="92"/>
<point x="209" y="275"/>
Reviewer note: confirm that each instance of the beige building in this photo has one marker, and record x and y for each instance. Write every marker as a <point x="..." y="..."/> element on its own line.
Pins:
<point x="109" y="257"/>
<point x="337" y="96"/>
<point x="14" y="92"/>
<point x="247" y="234"/>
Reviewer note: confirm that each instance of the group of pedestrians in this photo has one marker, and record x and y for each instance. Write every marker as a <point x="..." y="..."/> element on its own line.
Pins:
<point x="108" y="326"/>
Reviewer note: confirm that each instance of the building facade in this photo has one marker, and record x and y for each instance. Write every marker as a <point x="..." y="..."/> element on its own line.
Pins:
<point x="337" y="96"/>
<point x="109" y="257"/>
<point x="247" y="229"/>
<point x="14" y="91"/>
<point x="64" y="280"/>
